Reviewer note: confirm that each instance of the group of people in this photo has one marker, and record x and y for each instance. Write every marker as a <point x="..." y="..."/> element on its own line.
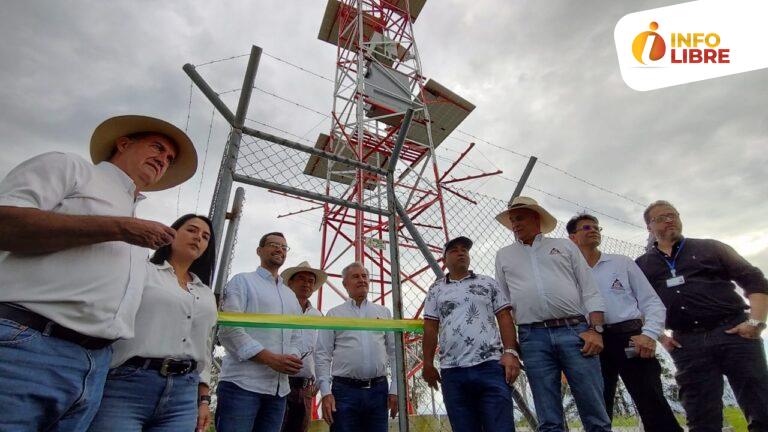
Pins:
<point x="96" y="337"/>
<point x="592" y="317"/>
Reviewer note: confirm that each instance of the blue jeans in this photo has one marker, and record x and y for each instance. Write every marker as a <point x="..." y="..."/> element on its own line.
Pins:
<point x="360" y="409"/>
<point x="546" y="353"/>
<point x="48" y="383"/>
<point x="478" y="398"/>
<point x="143" y="400"/>
<point x="239" y="410"/>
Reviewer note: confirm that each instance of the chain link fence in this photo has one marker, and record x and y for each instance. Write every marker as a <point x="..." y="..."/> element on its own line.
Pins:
<point x="466" y="213"/>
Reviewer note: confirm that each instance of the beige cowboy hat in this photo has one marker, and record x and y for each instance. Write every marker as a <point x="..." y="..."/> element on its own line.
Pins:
<point x="548" y="222"/>
<point x="183" y="167"/>
<point x="320" y="276"/>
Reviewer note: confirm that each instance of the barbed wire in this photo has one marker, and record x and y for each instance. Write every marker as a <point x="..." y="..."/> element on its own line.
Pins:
<point x="205" y="159"/>
<point x="573" y="176"/>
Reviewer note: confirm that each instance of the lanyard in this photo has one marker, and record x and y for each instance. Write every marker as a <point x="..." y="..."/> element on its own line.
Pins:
<point x="671" y="264"/>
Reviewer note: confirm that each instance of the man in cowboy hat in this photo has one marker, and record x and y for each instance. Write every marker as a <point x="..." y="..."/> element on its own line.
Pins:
<point x="304" y="281"/>
<point x="72" y="265"/>
<point x="552" y="290"/>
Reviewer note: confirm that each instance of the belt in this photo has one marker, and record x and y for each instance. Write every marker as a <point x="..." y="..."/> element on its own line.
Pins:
<point x="366" y="383"/>
<point x="559" y="322"/>
<point x="624" y="326"/>
<point x="47" y="327"/>
<point x="165" y="366"/>
<point x="299" y="382"/>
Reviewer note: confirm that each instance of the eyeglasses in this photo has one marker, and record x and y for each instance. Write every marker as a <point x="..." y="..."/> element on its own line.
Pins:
<point x="278" y="246"/>
<point x="590" y="228"/>
<point x="667" y="217"/>
<point x="305" y="354"/>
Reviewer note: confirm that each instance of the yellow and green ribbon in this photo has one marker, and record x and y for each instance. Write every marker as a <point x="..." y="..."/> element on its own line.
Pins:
<point x="232" y="319"/>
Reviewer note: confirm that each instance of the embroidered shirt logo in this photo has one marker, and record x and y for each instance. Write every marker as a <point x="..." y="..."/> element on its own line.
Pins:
<point x="617" y="285"/>
<point x="555" y="251"/>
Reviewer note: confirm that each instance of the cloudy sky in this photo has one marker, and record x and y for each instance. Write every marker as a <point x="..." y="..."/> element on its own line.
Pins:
<point x="543" y="75"/>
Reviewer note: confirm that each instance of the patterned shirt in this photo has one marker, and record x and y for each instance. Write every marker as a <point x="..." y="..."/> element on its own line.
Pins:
<point x="466" y="310"/>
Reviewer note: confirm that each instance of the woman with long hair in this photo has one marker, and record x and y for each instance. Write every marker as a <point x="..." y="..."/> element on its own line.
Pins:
<point x="158" y="380"/>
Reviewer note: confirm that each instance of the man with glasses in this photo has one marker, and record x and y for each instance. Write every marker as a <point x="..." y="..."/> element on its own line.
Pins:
<point x="634" y="320"/>
<point x="712" y="334"/>
<point x="253" y="383"/>
<point x="303" y="280"/>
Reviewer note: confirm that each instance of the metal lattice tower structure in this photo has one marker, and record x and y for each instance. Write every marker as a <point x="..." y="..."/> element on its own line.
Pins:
<point x="378" y="79"/>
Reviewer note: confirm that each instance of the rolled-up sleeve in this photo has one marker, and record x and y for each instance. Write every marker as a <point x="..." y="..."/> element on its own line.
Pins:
<point x="205" y="365"/>
<point x="235" y="339"/>
<point x="43" y="181"/>
<point x="649" y="303"/>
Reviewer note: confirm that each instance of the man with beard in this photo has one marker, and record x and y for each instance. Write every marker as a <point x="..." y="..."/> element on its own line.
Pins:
<point x="712" y="334"/>
<point x="355" y="363"/>
<point x="253" y="383"/>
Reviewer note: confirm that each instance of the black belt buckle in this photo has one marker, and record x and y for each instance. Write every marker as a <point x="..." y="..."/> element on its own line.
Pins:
<point x="368" y="384"/>
<point x="168" y="365"/>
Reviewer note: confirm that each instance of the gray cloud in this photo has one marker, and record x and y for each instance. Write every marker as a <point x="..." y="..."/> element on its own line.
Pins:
<point x="544" y="77"/>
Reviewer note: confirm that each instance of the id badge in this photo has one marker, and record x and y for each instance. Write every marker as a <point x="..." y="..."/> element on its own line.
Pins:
<point x="675" y="281"/>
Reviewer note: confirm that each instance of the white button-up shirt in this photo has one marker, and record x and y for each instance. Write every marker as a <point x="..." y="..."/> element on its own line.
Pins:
<point x="172" y="322"/>
<point x="355" y="354"/>
<point x="258" y="292"/>
<point x="628" y="294"/>
<point x="309" y="346"/>
<point x="547" y="280"/>
<point x="466" y="310"/>
<point x="95" y="289"/>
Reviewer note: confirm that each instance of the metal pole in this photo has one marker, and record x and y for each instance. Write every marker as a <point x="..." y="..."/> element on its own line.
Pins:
<point x="306" y="194"/>
<point x="523" y="178"/>
<point x="394" y="257"/>
<point x="419" y="241"/>
<point x="229" y="240"/>
<point x="229" y="161"/>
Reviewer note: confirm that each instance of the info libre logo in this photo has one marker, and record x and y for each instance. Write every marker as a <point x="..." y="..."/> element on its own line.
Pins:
<point x="650" y="46"/>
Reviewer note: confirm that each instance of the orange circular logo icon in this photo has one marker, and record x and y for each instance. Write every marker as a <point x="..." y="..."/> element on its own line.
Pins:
<point x="658" y="47"/>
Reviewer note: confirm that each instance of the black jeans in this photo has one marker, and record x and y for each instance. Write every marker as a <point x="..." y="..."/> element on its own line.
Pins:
<point x="701" y="363"/>
<point x="642" y="378"/>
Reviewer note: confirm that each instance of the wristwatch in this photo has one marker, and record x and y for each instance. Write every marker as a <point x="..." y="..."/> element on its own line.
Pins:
<point x="597" y="328"/>
<point x="756" y="323"/>
<point x="513" y="352"/>
<point x="204" y="399"/>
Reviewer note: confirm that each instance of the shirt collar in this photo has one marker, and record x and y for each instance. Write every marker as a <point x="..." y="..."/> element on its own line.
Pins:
<point x="675" y="247"/>
<point x="538" y="239"/>
<point x="471" y="275"/>
<point x="122" y="177"/>
<point x="166" y="266"/>
<point x="354" y="305"/>
<point x="264" y="273"/>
